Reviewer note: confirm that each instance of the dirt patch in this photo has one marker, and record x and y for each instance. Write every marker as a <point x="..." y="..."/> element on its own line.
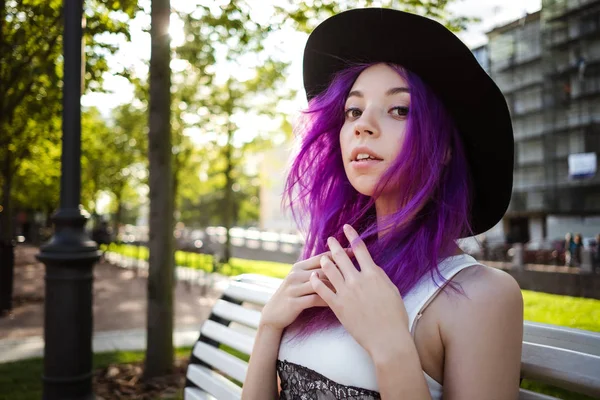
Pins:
<point x="125" y="382"/>
<point x="119" y="299"/>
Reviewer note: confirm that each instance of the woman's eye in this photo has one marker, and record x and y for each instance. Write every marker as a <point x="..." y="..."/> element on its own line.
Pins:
<point x="399" y="111"/>
<point x="353" y="113"/>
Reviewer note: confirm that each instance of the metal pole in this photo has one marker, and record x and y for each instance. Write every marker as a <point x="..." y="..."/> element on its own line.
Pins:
<point x="70" y="254"/>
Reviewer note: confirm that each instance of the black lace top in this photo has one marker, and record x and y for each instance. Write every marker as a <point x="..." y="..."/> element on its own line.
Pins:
<point x="301" y="383"/>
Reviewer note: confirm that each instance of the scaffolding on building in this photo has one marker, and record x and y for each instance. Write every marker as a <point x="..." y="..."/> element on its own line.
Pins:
<point x="570" y="32"/>
<point x="547" y="64"/>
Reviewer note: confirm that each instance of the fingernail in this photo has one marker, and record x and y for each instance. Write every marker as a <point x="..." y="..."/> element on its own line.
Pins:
<point x="322" y="261"/>
<point x="348" y="229"/>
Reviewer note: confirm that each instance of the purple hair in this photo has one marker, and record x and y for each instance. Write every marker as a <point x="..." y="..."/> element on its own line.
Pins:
<point x="433" y="195"/>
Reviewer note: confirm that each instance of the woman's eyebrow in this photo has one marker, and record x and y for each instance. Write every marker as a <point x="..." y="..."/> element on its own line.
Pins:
<point x="397" y="90"/>
<point x="355" y="93"/>
<point x="390" y="92"/>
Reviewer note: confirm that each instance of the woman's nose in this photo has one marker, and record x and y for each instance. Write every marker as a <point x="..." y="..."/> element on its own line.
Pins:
<point x="366" y="125"/>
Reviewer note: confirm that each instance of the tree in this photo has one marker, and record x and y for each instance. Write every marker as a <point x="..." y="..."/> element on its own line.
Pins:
<point x="30" y="76"/>
<point x="31" y="67"/>
<point x="35" y="182"/>
<point x="159" y="353"/>
<point x="304" y="16"/>
<point x="130" y="123"/>
<point x="201" y="191"/>
<point x="113" y="154"/>
<point x="230" y="36"/>
<point x="95" y="150"/>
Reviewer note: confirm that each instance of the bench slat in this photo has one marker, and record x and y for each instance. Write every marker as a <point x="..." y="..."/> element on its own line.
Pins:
<point x="246" y="330"/>
<point x="227" y="336"/>
<point x="258" y="279"/>
<point x="563" y="368"/>
<point x="191" y="393"/>
<point x="214" y="383"/>
<point x="249" y="292"/>
<point x="236" y="313"/>
<point x="564" y="338"/>
<point x="224" y="362"/>
<point x="529" y="395"/>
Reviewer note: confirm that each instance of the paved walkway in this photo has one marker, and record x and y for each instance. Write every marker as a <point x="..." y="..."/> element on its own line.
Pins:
<point x="119" y="306"/>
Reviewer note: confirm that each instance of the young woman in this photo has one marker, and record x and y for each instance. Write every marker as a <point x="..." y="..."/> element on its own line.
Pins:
<point x="406" y="147"/>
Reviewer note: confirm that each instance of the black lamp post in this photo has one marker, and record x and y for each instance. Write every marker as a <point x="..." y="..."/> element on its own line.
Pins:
<point x="70" y="254"/>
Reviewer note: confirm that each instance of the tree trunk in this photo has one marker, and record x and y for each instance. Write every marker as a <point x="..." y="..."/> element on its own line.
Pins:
<point x="6" y="243"/>
<point x="159" y="353"/>
<point x="175" y="187"/>
<point x="119" y="213"/>
<point x="6" y="214"/>
<point x="228" y="212"/>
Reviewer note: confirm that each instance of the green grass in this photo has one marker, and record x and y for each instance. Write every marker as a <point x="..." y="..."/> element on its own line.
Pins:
<point x="236" y="266"/>
<point x="572" y="312"/>
<point x="22" y="380"/>
<point x="553" y="391"/>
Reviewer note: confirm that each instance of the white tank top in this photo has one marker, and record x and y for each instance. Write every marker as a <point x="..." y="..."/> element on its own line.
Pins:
<point x="335" y="354"/>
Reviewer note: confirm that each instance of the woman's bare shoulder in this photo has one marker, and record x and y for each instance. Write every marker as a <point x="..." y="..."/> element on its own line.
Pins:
<point x="483" y="282"/>
<point x="484" y="293"/>
<point x="482" y="332"/>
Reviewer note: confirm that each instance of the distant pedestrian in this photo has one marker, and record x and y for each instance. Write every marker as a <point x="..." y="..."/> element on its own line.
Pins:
<point x="101" y="234"/>
<point x="569" y="246"/>
<point x="576" y="250"/>
<point x="485" y="248"/>
<point x="596" y="253"/>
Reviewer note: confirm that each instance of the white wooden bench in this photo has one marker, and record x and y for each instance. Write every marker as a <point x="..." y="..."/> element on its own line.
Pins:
<point x="561" y="357"/>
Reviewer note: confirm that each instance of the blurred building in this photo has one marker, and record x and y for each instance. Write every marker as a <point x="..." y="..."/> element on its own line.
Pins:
<point x="273" y="170"/>
<point x="547" y="64"/>
<point x="482" y="55"/>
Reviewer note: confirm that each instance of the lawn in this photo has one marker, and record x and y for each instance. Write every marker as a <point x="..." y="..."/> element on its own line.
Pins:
<point x="572" y="312"/>
<point x="204" y="262"/>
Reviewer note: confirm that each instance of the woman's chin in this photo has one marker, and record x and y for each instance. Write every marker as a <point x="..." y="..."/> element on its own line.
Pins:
<point x="366" y="189"/>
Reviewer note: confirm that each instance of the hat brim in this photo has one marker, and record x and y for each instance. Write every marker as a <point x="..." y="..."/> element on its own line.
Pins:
<point x="443" y="62"/>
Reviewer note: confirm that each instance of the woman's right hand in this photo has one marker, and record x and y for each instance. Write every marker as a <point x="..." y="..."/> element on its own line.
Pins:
<point x="294" y="295"/>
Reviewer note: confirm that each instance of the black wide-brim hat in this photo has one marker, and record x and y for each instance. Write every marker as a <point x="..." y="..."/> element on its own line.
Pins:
<point x="444" y="63"/>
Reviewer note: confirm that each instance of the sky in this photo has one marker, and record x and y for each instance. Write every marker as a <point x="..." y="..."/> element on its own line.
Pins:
<point x="491" y="12"/>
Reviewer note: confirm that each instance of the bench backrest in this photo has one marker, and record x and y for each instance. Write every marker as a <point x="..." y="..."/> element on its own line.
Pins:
<point x="562" y="357"/>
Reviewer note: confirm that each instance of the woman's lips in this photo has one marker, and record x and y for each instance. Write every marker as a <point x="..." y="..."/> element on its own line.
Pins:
<point x="362" y="150"/>
<point x="364" y="164"/>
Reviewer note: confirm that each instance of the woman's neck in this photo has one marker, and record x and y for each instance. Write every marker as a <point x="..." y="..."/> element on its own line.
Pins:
<point x="384" y="208"/>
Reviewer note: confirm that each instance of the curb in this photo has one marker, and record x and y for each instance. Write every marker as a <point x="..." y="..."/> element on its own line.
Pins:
<point x="134" y="339"/>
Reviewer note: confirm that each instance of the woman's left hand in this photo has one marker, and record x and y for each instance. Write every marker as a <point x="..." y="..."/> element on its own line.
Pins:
<point x="366" y="302"/>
